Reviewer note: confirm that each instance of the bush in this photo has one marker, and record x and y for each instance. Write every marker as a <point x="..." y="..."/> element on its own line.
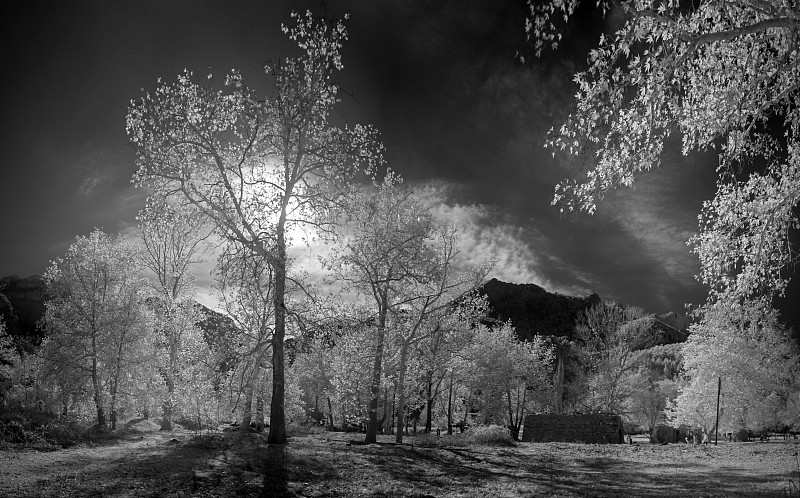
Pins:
<point x="142" y="425"/>
<point x="12" y="432"/>
<point x="478" y="434"/>
<point x="492" y="434"/>
<point x="190" y="424"/>
<point x="305" y="430"/>
<point x="41" y="431"/>
<point x="427" y="440"/>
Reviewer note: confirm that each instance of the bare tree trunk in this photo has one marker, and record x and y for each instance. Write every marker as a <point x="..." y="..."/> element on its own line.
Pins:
<point x="64" y="404"/>
<point x="558" y="385"/>
<point x="394" y="409"/>
<point x="330" y="412"/>
<point x="98" y="395"/>
<point x="277" y="417"/>
<point x="169" y="378"/>
<point x="521" y="413"/>
<point x="429" y="408"/>
<point x="450" y="407"/>
<point x="260" y="412"/>
<point x="166" y="405"/>
<point x="401" y="380"/>
<point x="247" y="411"/>
<point x="375" y="385"/>
<point x="385" y="409"/>
<point x="510" y="411"/>
<point x="114" y="405"/>
<point x="466" y="410"/>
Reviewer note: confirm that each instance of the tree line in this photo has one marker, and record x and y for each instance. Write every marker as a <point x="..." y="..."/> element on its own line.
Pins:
<point x="259" y="174"/>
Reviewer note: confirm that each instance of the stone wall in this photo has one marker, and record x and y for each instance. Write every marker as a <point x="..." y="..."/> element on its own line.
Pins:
<point x="592" y="428"/>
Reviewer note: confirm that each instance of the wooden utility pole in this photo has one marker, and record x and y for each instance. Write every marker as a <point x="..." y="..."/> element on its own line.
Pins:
<point x="716" y="426"/>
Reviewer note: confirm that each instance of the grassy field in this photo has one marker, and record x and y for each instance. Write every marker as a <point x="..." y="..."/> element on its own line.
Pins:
<point x="334" y="465"/>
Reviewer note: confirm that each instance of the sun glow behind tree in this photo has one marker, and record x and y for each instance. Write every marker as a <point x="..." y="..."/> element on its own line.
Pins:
<point x="258" y="167"/>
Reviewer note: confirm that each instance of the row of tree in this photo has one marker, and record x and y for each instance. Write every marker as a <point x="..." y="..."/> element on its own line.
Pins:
<point x="124" y="343"/>
<point x="263" y="172"/>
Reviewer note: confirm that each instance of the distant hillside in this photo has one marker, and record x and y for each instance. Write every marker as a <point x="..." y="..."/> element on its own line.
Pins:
<point x="22" y="306"/>
<point x="534" y="311"/>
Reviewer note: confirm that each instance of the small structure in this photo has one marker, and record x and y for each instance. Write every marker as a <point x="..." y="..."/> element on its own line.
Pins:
<point x="589" y="428"/>
<point x="663" y="434"/>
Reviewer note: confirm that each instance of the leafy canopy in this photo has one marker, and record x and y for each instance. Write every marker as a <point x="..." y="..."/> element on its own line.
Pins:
<point x="719" y="74"/>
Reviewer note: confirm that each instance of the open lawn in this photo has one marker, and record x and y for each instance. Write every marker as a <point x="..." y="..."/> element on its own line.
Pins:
<point x="328" y="465"/>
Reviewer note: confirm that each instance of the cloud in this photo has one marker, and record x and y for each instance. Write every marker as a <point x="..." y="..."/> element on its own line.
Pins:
<point x="522" y="254"/>
<point x="96" y="170"/>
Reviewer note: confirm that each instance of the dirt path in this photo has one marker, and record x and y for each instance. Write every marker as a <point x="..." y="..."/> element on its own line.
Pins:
<point x="150" y="464"/>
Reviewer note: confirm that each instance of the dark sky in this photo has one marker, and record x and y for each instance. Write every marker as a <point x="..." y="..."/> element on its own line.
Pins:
<point x="462" y="120"/>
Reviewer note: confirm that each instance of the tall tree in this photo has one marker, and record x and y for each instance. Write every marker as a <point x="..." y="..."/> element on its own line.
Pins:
<point x="95" y="306"/>
<point x="377" y="260"/>
<point x="438" y="349"/>
<point x="722" y="75"/>
<point x="398" y="256"/>
<point x="261" y="170"/>
<point x="244" y="286"/>
<point x="439" y="303"/>
<point x="610" y="335"/>
<point x="172" y="243"/>
<point x="9" y="357"/>
<point x="508" y="375"/>
<point x="750" y="350"/>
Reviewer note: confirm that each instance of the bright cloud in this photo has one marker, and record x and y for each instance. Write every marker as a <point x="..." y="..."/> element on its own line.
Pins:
<point x="520" y="253"/>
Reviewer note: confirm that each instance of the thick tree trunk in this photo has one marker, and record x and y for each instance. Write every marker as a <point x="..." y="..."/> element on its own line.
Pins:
<point x="166" y="406"/>
<point x="385" y="409"/>
<point x="450" y="407"/>
<point x="330" y="412"/>
<point x="277" y="418"/>
<point x="429" y="408"/>
<point x="375" y="385"/>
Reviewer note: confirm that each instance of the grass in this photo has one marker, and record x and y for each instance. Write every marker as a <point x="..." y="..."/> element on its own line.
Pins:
<point x="330" y="467"/>
<point x="325" y="464"/>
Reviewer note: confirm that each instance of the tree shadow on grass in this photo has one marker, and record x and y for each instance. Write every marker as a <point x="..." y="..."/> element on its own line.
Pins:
<point x="618" y="477"/>
<point x="158" y="469"/>
<point x="466" y="471"/>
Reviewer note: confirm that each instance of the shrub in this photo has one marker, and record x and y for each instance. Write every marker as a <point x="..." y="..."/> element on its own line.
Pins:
<point x="426" y="440"/>
<point x="40" y="431"/>
<point x="479" y="434"/>
<point x="491" y="434"/>
<point x="305" y="430"/>
<point x="12" y="432"/>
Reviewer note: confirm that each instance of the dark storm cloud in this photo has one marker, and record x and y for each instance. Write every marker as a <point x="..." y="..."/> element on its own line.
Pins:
<point x="438" y="78"/>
